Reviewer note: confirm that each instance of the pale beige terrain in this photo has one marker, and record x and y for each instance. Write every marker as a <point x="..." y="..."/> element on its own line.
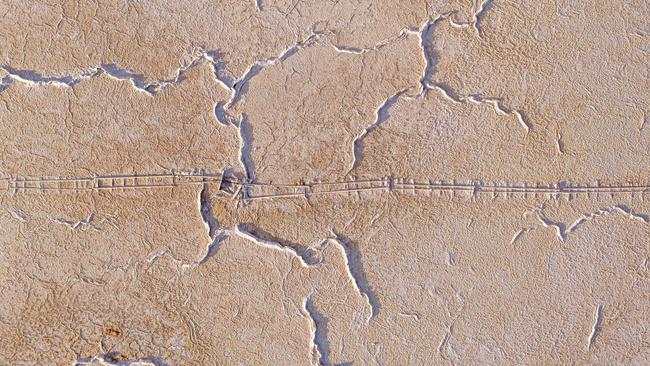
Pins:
<point x="448" y="182"/>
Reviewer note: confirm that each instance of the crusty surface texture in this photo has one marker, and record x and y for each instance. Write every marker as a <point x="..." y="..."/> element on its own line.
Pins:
<point x="324" y="183"/>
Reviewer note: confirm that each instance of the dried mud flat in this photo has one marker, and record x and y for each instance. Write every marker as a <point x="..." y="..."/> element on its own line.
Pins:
<point x="324" y="183"/>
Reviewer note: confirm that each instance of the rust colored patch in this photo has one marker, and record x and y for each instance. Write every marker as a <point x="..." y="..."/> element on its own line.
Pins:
<point x="113" y="331"/>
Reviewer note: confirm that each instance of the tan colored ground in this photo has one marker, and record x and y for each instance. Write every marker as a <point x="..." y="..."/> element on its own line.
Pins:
<point x="264" y="182"/>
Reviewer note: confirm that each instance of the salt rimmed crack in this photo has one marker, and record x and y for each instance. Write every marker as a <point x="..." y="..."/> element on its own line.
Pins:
<point x="215" y="233"/>
<point x="426" y="81"/>
<point x="596" y="327"/>
<point x="355" y="271"/>
<point x="240" y="86"/>
<point x="205" y="208"/>
<point x="318" y="330"/>
<point x="305" y="256"/>
<point x="34" y="78"/>
<point x="212" y="247"/>
<point x="378" y="46"/>
<point x="246" y="147"/>
<point x="425" y="35"/>
<point x="137" y="80"/>
<point x="113" y="360"/>
<point x="253" y="235"/>
<point x="237" y="87"/>
<point x="76" y="225"/>
<point x="495" y="103"/>
<point x="259" y="4"/>
<point x="520" y="233"/>
<point x="481" y="7"/>
<point x="17" y="214"/>
<point x="381" y="115"/>
<point x="562" y="231"/>
<point x="152" y="87"/>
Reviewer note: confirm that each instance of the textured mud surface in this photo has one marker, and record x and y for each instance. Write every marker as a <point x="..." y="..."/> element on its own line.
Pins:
<point x="324" y="183"/>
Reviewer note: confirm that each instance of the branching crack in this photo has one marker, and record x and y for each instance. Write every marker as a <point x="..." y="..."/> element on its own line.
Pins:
<point x="426" y="82"/>
<point x="238" y="89"/>
<point x="77" y="225"/>
<point x="562" y="231"/>
<point x="240" y="86"/>
<point x="428" y="53"/>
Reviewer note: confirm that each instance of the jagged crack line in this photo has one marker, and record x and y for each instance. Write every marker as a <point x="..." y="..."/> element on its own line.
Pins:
<point x="33" y="78"/>
<point x="563" y="232"/>
<point x="137" y="80"/>
<point x="354" y="266"/>
<point x="302" y="255"/>
<point x="17" y="214"/>
<point x="153" y="87"/>
<point x="240" y="86"/>
<point x="246" y="147"/>
<point x="560" y="229"/>
<point x="87" y="222"/>
<point x="219" y="72"/>
<point x="215" y="234"/>
<point x="213" y="247"/>
<point x="495" y="103"/>
<point x="223" y="116"/>
<point x="111" y="359"/>
<point x="482" y="7"/>
<point x="626" y="211"/>
<point x="5" y="83"/>
<point x="381" y="115"/>
<point x="249" y="233"/>
<point x="318" y="326"/>
<point x="428" y="54"/>
<point x="425" y="35"/>
<point x="596" y="327"/>
<point x="520" y="233"/>
<point x="604" y="212"/>
<point x="205" y="208"/>
<point x="378" y="46"/>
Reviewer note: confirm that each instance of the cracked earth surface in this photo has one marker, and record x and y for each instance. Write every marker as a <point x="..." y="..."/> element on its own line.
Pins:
<point x="324" y="182"/>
